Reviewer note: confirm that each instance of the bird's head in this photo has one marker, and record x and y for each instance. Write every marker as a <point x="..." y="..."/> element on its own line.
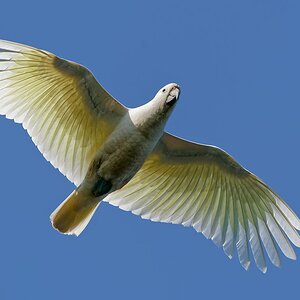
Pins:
<point x="160" y="107"/>
<point x="167" y="97"/>
<point x="153" y="115"/>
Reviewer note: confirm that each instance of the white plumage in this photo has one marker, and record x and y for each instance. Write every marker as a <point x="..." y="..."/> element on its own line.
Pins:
<point x="124" y="157"/>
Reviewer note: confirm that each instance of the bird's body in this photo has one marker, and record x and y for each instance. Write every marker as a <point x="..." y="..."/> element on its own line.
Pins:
<point x="116" y="162"/>
<point x="124" y="156"/>
<point x="126" y="149"/>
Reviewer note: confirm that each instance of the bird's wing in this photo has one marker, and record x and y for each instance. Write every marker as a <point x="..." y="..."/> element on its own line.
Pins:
<point x="202" y="186"/>
<point x="65" y="110"/>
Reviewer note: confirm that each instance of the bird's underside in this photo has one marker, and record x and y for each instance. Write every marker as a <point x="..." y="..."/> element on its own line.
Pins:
<point x="71" y="118"/>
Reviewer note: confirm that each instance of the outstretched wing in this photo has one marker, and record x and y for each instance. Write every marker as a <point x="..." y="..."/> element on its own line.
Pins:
<point x="64" y="109"/>
<point x="202" y="186"/>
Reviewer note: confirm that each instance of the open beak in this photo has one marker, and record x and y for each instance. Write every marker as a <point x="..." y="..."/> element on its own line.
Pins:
<point x="174" y="95"/>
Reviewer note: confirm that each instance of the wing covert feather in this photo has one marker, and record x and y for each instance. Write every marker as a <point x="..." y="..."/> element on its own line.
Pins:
<point x="65" y="110"/>
<point x="203" y="187"/>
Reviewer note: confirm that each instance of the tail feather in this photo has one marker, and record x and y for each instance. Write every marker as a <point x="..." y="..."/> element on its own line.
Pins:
<point x="73" y="214"/>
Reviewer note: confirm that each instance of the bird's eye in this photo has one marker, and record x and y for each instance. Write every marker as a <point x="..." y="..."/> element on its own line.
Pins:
<point x="163" y="90"/>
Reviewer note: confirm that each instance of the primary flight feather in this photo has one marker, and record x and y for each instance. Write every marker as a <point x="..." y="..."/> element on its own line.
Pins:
<point x="124" y="157"/>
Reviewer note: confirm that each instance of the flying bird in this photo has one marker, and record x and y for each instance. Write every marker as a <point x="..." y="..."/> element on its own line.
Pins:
<point x="124" y="156"/>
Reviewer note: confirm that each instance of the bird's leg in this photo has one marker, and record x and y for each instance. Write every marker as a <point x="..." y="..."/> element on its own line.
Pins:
<point x="101" y="187"/>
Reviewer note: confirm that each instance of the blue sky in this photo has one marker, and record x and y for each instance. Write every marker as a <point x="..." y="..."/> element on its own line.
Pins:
<point x="237" y="63"/>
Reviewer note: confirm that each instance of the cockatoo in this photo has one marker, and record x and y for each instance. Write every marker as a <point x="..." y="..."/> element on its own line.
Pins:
<point x="124" y="156"/>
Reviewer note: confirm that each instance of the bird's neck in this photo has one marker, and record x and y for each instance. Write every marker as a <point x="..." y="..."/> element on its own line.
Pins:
<point x="148" y="119"/>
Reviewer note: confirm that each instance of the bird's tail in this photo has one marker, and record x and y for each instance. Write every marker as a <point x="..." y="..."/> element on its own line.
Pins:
<point x="73" y="215"/>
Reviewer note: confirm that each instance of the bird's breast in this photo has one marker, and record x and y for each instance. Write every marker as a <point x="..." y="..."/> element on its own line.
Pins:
<point x="123" y="155"/>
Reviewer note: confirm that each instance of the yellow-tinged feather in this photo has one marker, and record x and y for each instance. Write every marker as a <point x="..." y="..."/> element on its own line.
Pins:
<point x="64" y="109"/>
<point x="203" y="187"/>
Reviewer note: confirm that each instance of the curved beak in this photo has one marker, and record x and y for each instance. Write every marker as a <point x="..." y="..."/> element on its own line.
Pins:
<point x="174" y="95"/>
